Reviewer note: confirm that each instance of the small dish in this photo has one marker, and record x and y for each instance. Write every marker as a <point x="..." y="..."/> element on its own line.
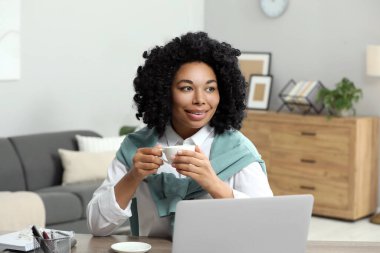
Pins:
<point x="129" y="247"/>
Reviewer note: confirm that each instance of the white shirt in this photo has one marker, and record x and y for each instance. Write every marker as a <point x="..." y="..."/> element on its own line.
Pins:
<point x="104" y="214"/>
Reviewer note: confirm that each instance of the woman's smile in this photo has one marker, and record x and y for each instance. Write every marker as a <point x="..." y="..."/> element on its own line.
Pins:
<point x="196" y="115"/>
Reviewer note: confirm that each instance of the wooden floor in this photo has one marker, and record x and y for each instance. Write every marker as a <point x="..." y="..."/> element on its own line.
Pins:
<point x="324" y="229"/>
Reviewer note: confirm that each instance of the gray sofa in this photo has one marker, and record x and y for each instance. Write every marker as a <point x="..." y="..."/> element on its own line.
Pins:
<point x="32" y="163"/>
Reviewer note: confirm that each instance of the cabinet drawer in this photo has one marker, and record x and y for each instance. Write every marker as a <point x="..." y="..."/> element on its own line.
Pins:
<point x="258" y="133"/>
<point x="265" y="155"/>
<point x="319" y="166"/>
<point x="311" y="138"/>
<point x="327" y="194"/>
<point x="333" y="159"/>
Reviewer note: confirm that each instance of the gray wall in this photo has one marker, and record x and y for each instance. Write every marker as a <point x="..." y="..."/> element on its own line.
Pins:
<point x="79" y="58"/>
<point x="314" y="40"/>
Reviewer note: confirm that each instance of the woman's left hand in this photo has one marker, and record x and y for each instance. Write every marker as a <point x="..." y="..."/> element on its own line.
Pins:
<point x="195" y="164"/>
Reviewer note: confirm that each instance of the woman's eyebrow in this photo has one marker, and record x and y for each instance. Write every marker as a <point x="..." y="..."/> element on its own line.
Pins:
<point x="185" y="81"/>
<point x="191" y="82"/>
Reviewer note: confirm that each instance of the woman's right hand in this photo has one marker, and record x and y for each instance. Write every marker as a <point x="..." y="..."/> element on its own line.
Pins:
<point x="146" y="162"/>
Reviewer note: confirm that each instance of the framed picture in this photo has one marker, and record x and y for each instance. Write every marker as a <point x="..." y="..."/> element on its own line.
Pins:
<point x="252" y="63"/>
<point x="259" y="92"/>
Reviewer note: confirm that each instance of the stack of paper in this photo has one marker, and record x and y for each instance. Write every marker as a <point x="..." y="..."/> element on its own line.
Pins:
<point x="16" y="241"/>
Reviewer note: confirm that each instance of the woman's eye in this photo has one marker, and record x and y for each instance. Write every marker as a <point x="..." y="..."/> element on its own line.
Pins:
<point x="210" y="89"/>
<point x="186" y="88"/>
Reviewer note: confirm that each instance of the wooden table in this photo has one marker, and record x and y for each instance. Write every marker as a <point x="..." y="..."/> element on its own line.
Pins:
<point x="88" y="243"/>
<point x="91" y="244"/>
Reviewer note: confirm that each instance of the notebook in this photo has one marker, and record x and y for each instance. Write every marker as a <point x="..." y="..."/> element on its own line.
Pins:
<point x="16" y="241"/>
<point x="262" y="225"/>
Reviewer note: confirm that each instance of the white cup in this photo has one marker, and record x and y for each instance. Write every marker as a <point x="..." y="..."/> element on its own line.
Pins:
<point x="171" y="151"/>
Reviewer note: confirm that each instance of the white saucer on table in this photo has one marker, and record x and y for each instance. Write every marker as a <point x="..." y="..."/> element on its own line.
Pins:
<point x="129" y="247"/>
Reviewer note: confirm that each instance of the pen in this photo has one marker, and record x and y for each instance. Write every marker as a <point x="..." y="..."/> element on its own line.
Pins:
<point x="35" y="232"/>
<point x="45" y="235"/>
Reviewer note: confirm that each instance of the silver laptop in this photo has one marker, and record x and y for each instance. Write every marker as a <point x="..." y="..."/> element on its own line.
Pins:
<point x="255" y="225"/>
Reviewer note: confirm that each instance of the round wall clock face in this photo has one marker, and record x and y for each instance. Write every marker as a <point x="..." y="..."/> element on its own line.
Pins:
<point x="274" y="8"/>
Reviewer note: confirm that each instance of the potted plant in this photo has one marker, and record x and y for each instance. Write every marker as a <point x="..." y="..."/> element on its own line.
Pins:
<point x="124" y="130"/>
<point x="340" y="101"/>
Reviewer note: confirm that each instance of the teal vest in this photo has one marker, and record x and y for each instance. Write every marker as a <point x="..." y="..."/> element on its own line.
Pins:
<point x="230" y="152"/>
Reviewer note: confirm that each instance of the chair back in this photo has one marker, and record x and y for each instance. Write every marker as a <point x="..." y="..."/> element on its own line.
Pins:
<point x="134" y="219"/>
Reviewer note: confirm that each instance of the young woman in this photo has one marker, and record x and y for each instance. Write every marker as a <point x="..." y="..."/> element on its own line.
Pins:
<point x="190" y="91"/>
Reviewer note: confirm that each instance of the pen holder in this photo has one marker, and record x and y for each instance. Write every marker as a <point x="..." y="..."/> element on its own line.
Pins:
<point x="57" y="243"/>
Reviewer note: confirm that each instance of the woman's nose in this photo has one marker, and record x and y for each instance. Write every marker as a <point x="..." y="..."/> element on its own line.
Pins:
<point x="199" y="97"/>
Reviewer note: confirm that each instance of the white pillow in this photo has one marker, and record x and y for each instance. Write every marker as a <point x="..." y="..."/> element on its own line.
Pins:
<point x="99" y="144"/>
<point x="81" y="166"/>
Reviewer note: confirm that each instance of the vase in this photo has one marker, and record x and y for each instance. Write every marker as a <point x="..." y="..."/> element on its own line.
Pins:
<point x="342" y="113"/>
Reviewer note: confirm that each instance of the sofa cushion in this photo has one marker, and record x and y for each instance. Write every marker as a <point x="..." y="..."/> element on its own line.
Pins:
<point x="79" y="226"/>
<point x="99" y="144"/>
<point x="39" y="156"/>
<point x="61" y="206"/>
<point x="83" y="191"/>
<point x="11" y="173"/>
<point x="80" y="166"/>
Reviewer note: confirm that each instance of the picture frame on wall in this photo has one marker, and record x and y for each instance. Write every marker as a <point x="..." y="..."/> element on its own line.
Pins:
<point x="254" y="63"/>
<point x="259" y="90"/>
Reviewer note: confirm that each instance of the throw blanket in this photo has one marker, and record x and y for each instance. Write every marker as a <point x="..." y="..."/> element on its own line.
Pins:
<point x="230" y="153"/>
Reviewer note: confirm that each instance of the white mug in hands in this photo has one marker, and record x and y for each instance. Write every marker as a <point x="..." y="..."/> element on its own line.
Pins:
<point x="170" y="151"/>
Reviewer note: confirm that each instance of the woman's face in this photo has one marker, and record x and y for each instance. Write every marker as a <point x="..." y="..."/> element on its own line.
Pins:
<point x="195" y="97"/>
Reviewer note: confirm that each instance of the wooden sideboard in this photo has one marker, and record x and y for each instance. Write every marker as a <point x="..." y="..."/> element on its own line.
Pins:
<point x="333" y="159"/>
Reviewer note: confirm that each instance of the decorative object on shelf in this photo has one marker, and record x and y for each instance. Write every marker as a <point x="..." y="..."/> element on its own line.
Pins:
<point x="124" y="130"/>
<point x="259" y="92"/>
<point x="301" y="96"/>
<point x="340" y="101"/>
<point x="274" y="8"/>
<point x="254" y="63"/>
<point x="373" y="60"/>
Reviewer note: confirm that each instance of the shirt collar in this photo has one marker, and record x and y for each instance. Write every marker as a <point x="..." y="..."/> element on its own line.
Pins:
<point x="197" y="139"/>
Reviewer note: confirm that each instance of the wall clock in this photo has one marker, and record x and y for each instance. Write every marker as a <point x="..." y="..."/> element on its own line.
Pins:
<point x="273" y="8"/>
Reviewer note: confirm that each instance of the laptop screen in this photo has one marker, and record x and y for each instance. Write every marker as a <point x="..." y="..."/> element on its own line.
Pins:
<point x="262" y="225"/>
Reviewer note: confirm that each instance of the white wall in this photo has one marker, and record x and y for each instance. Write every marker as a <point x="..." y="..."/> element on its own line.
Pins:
<point x="79" y="58"/>
<point x="314" y="40"/>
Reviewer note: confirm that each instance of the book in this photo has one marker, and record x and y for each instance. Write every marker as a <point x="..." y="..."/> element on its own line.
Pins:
<point x="17" y="241"/>
<point x="300" y="92"/>
<point x="307" y="87"/>
<point x="293" y="92"/>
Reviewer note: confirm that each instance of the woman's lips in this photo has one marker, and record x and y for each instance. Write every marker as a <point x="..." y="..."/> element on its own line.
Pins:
<point x="196" y="115"/>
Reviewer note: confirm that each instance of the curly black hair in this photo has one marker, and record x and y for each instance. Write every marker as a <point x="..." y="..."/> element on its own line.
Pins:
<point x="154" y="79"/>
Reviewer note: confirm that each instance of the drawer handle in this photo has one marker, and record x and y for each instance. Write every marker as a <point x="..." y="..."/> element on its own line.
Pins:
<point x="308" y="133"/>
<point x="308" y="161"/>
<point x="305" y="187"/>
